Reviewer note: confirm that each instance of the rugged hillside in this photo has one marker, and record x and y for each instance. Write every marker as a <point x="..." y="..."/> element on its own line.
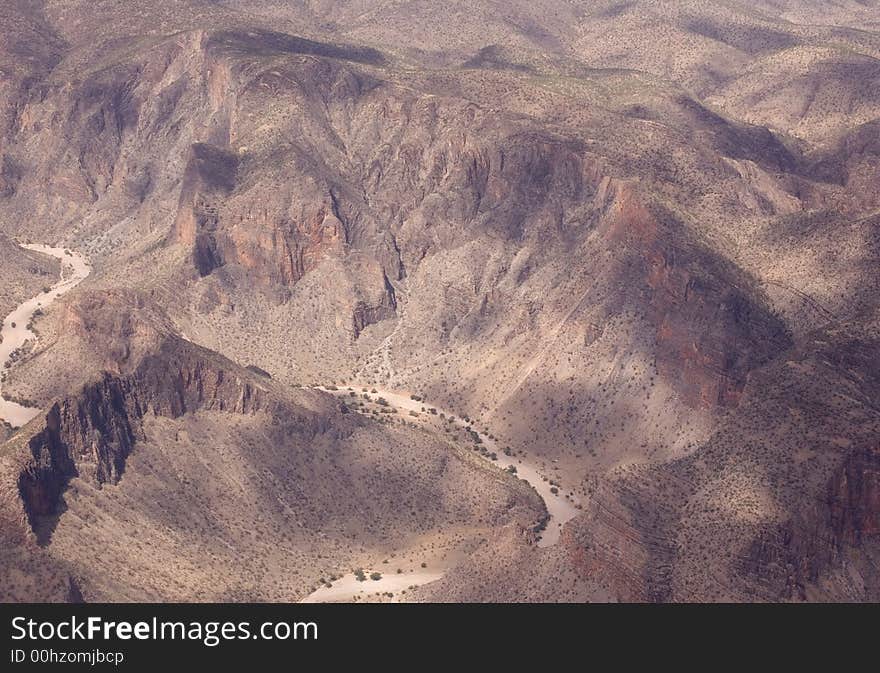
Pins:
<point x="163" y="483"/>
<point x="772" y="507"/>
<point x="813" y="93"/>
<point x="635" y="240"/>
<point x="780" y="504"/>
<point x="705" y="46"/>
<point x="25" y="273"/>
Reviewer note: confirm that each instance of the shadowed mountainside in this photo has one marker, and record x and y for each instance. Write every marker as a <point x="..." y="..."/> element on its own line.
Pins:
<point x="636" y="240"/>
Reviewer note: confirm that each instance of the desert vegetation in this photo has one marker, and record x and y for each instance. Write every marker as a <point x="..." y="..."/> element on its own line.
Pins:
<point x="631" y="246"/>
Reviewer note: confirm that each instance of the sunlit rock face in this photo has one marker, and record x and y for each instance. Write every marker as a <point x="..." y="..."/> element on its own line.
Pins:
<point x="636" y="243"/>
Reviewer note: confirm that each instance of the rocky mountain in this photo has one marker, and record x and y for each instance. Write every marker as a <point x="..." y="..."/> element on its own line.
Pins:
<point x="166" y="479"/>
<point x="634" y="241"/>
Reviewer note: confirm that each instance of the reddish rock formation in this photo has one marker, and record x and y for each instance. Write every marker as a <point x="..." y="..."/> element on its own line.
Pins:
<point x="209" y="176"/>
<point x="712" y="326"/>
<point x="606" y="546"/>
<point x="818" y="541"/>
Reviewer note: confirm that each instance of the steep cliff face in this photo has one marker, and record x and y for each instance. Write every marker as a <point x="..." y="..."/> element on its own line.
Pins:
<point x="712" y="325"/>
<point x="208" y="178"/>
<point x="830" y="549"/>
<point x="371" y="310"/>
<point x="266" y="213"/>
<point x="91" y="434"/>
<point x="272" y="240"/>
<point x="854" y="499"/>
<point x="576" y="256"/>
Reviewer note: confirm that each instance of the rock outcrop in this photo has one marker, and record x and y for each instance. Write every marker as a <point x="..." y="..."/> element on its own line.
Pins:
<point x="804" y="557"/>
<point x="712" y="325"/>
<point x="90" y="434"/>
<point x="209" y="177"/>
<point x="619" y="262"/>
<point x="854" y="499"/>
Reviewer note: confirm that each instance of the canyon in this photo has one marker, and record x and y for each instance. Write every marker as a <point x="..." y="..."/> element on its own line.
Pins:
<point x="631" y="248"/>
<point x="15" y="327"/>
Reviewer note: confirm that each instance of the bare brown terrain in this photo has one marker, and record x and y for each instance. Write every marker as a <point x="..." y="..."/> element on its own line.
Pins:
<point x="634" y="243"/>
<point x="25" y="273"/>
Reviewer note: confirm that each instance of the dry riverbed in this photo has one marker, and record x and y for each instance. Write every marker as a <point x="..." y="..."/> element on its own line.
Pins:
<point x="16" y="329"/>
<point x="561" y="506"/>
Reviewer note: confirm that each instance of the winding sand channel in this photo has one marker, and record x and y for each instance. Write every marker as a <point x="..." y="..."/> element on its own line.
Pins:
<point x="560" y="508"/>
<point x="15" y="329"/>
